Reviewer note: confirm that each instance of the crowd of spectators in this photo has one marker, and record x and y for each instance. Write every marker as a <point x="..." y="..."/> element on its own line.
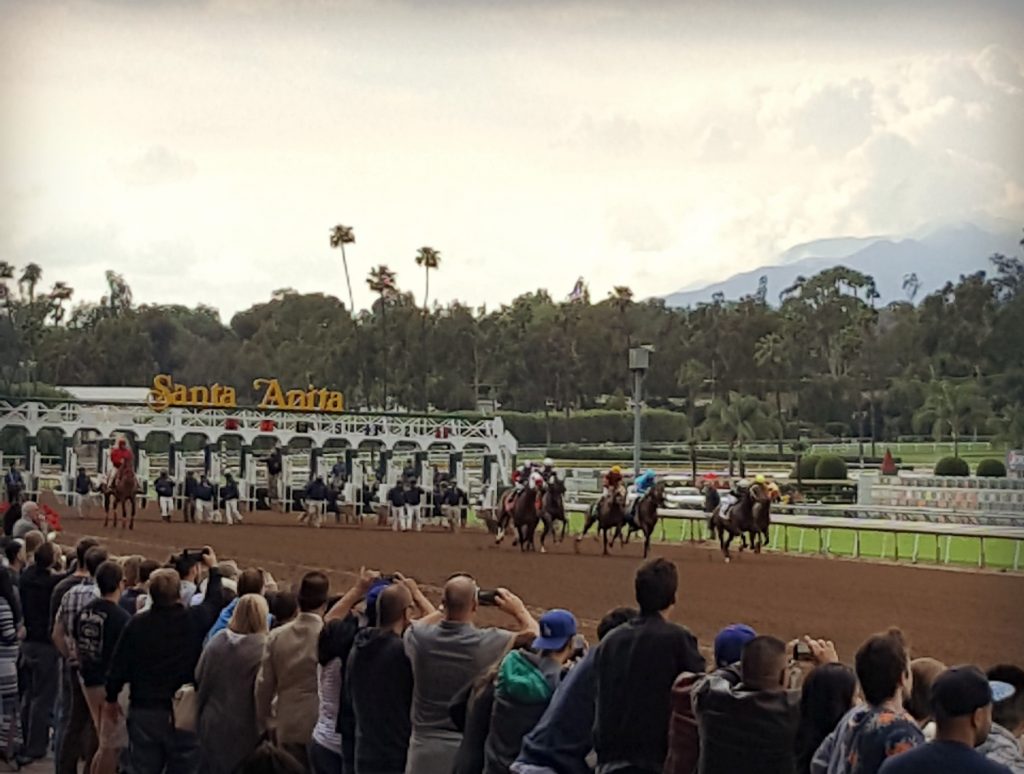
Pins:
<point x="198" y="665"/>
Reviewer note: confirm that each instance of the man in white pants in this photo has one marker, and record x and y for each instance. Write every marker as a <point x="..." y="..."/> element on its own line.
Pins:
<point x="411" y="510"/>
<point x="316" y="502"/>
<point x="164" y="487"/>
<point x="204" y="500"/>
<point x="229" y="500"/>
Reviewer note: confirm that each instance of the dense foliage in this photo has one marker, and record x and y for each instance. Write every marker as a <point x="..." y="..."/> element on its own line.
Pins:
<point x="952" y="466"/>
<point x="823" y="358"/>
<point x="829" y="468"/>
<point x="991" y="468"/>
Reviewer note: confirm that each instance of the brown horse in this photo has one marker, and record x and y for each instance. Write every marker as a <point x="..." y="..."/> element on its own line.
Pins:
<point x="552" y="509"/>
<point x="520" y="509"/>
<point x="647" y="514"/>
<point x="123" y="492"/>
<point x="740" y="521"/>
<point x="609" y="513"/>
<point x="760" y="515"/>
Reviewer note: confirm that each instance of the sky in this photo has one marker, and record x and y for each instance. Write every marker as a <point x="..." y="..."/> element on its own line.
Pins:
<point x="205" y="148"/>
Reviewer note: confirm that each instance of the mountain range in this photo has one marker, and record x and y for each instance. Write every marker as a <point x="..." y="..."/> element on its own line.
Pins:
<point x="937" y="256"/>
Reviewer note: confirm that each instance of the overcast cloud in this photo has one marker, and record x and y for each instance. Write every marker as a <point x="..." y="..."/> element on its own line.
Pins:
<point x="204" y="148"/>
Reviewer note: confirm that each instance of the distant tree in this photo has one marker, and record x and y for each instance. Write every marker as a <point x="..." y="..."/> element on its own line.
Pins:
<point x="341" y="236"/>
<point x="911" y="286"/>
<point x="952" y="409"/>
<point x="381" y="281"/>
<point x="736" y="420"/>
<point x="59" y="295"/>
<point x="769" y="355"/>
<point x="30" y="277"/>
<point x="429" y="259"/>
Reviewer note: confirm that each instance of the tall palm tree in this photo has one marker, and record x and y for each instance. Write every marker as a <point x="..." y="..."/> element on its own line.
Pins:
<point x="30" y="277"/>
<point x="621" y="297"/>
<point x="381" y="280"/>
<point x="953" y="408"/>
<point x="428" y="258"/>
<point x="341" y="236"/>
<point x="768" y="354"/>
<point x="736" y="421"/>
<point x="58" y="295"/>
<point x="6" y="273"/>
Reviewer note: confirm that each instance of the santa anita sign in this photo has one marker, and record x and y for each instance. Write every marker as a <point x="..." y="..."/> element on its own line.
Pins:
<point x="166" y="393"/>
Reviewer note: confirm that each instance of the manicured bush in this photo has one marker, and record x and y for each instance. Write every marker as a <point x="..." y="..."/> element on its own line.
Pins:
<point x="952" y="466"/>
<point x="991" y="468"/>
<point x="830" y="468"/>
<point x="808" y="466"/>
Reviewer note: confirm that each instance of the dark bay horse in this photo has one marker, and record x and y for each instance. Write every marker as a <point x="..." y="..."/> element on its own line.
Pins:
<point x="609" y="513"/>
<point x="552" y="509"/>
<point x="123" y="492"/>
<point x="748" y="515"/>
<point x="520" y="509"/>
<point x="647" y="514"/>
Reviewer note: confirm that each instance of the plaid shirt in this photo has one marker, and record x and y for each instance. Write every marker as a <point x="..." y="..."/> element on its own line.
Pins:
<point x="71" y="606"/>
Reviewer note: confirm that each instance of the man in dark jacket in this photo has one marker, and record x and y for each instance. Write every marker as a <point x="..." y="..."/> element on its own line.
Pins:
<point x="14" y="483"/>
<point x="83" y="488"/>
<point x="275" y="464"/>
<point x="39" y="659"/>
<point x="316" y="501"/>
<point x="164" y="487"/>
<point x="636" y="665"/>
<point x="204" y="499"/>
<point x="157" y="654"/>
<point x="190" y="496"/>
<point x="525" y="684"/>
<point x="229" y="500"/>
<point x="379" y="684"/>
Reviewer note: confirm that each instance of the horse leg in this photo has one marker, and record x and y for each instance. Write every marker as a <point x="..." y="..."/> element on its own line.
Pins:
<point x="647" y="541"/>
<point x="604" y="534"/>
<point x="131" y="524"/>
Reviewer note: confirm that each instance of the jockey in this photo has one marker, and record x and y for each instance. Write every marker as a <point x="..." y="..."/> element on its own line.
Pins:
<point x="119" y="455"/>
<point x="549" y="470"/>
<point x="733" y="496"/>
<point x="641" y="487"/>
<point x="612" y="481"/>
<point x="521" y="476"/>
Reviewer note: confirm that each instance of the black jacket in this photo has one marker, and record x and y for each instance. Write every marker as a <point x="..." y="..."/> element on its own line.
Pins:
<point x="229" y="491"/>
<point x="36" y="589"/>
<point x="745" y="730"/>
<point x="82" y="484"/>
<point x="379" y="678"/>
<point x="204" y="492"/>
<point x="159" y="649"/>
<point x="413" y="495"/>
<point x="164" y="487"/>
<point x="636" y="665"/>
<point x="316" y="490"/>
<point x="190" y="486"/>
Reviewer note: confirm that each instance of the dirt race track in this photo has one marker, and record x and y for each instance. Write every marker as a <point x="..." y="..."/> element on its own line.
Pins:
<point x="955" y="616"/>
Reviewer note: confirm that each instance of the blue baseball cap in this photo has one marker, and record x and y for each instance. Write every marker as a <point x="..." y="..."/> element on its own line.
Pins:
<point x="729" y="643"/>
<point x="557" y="627"/>
<point x="371" y="599"/>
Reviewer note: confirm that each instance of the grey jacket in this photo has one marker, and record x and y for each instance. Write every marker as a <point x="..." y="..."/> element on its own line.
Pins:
<point x="1002" y="747"/>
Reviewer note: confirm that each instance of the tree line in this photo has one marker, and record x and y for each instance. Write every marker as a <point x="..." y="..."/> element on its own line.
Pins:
<point x="823" y="358"/>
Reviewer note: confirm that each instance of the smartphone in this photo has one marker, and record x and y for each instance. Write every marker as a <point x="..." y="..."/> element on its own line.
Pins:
<point x="198" y="552"/>
<point x="488" y="597"/>
<point x="802" y="652"/>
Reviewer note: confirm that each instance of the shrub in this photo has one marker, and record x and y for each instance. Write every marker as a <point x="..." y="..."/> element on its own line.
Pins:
<point x="808" y="465"/>
<point x="991" y="468"/>
<point x="830" y="468"/>
<point x="952" y="466"/>
<point x="837" y="429"/>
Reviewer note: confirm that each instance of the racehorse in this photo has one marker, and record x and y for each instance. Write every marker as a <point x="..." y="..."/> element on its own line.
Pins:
<point x="609" y="513"/>
<point x="553" y="509"/>
<point x="749" y="514"/>
<point x="761" y="497"/>
<point x="521" y="509"/>
<point x="125" y="487"/>
<point x="647" y="514"/>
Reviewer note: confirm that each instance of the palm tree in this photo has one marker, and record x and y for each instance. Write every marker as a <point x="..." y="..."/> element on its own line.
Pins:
<point x="911" y="285"/>
<point x="381" y="280"/>
<point x="6" y="273"/>
<point x="736" y="421"/>
<point x="1009" y="424"/>
<point x="428" y="258"/>
<point x="621" y="297"/>
<point x="768" y="354"/>
<point x="341" y="236"/>
<point x="30" y="277"/>
<point x="799" y="448"/>
<point x="58" y="295"/>
<point x="952" y="407"/>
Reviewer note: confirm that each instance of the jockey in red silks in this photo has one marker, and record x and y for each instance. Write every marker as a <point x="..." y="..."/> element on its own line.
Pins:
<point x="120" y="455"/>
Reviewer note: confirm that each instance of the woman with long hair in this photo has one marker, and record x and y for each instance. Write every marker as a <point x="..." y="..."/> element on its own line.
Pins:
<point x="827" y="695"/>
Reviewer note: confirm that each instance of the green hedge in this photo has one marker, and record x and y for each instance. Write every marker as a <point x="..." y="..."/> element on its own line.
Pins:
<point x="808" y="467"/>
<point x="991" y="468"/>
<point x="597" y="426"/>
<point x="830" y="468"/>
<point x="952" y="466"/>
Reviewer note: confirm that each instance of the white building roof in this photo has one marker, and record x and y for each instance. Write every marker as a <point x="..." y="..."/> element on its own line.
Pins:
<point x="107" y="394"/>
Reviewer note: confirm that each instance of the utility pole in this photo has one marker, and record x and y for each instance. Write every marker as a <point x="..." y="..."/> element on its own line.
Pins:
<point x="639" y="362"/>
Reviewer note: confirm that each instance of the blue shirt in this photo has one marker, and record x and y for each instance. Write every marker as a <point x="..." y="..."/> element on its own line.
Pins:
<point x="225" y="617"/>
<point x="645" y="482"/>
<point x="942" y="758"/>
<point x="564" y="735"/>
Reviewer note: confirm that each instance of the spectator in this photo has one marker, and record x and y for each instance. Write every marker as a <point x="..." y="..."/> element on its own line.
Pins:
<point x="97" y="631"/>
<point x="204" y="500"/>
<point x="187" y="564"/>
<point x="827" y="695"/>
<point x="284" y="607"/>
<point x="962" y="702"/>
<point x="14" y="562"/>
<point x="78" y="739"/>
<point x="879" y="729"/>
<point x="156" y="655"/>
<point x="140" y="595"/>
<point x="11" y="517"/>
<point x="380" y="683"/>
<point x="526" y="681"/>
<point x="190" y="497"/>
<point x="31" y="519"/>
<point x="446" y="656"/>
<point x="83" y="488"/>
<point x="8" y="679"/>
<point x="918" y="702"/>
<point x="164" y="487"/>
<point x="33" y="540"/>
<point x="229" y="499"/>
<point x="316" y="498"/>
<point x="226" y="680"/>
<point x="250" y="581"/>
<point x="748" y="720"/>
<point x="636" y="666"/>
<point x="39" y="658"/>
<point x="131" y="566"/>
<point x="729" y="644"/>
<point x="288" y="672"/>
<point x="563" y="736"/>
<point x="14" y="484"/>
<point x="1002" y="745"/>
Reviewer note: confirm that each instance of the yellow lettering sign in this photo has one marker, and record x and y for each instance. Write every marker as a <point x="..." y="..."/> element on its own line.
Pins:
<point x="166" y="393"/>
<point x="310" y="399"/>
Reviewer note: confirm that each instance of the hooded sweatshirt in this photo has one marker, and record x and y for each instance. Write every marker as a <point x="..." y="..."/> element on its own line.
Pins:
<point x="1002" y="747"/>
<point x="524" y="686"/>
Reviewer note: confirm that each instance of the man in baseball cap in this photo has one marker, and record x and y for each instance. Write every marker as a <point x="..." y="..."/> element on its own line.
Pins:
<point x="962" y="702"/>
<point x="729" y="644"/>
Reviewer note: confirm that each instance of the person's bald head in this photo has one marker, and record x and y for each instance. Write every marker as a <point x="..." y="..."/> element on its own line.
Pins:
<point x="763" y="664"/>
<point x="460" y="597"/>
<point x="393" y="605"/>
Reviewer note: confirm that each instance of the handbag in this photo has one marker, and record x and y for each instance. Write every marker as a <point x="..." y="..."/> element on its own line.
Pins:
<point x="185" y="708"/>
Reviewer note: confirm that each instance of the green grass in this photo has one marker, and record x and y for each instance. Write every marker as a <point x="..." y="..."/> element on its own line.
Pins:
<point x="963" y="552"/>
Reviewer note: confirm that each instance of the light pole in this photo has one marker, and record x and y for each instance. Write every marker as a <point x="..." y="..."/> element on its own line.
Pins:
<point x="639" y="362"/>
